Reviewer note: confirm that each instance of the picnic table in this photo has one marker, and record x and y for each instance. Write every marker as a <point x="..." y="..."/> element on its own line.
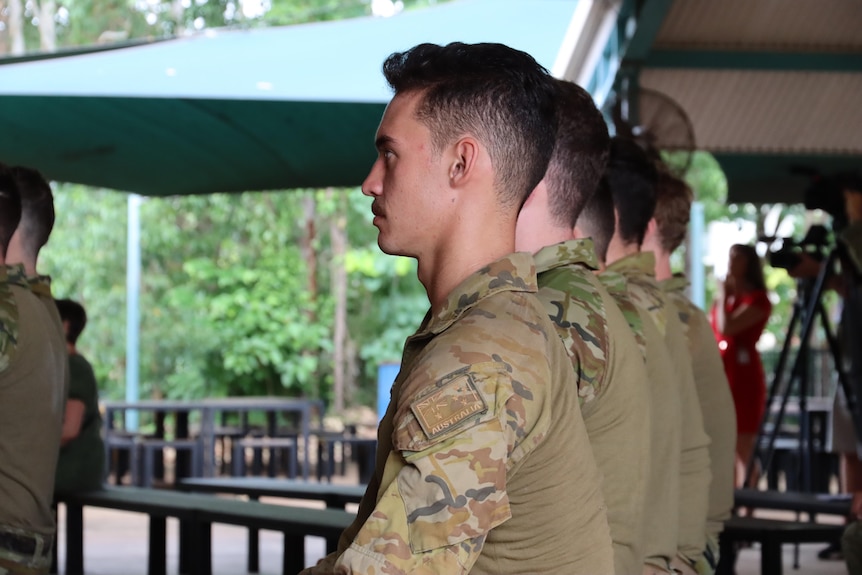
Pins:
<point x="335" y="496"/>
<point x="256" y="487"/>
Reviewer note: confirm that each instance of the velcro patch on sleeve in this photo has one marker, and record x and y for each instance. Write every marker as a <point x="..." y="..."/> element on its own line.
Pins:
<point x="449" y="405"/>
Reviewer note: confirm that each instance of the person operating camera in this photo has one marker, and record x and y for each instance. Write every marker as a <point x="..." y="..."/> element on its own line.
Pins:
<point x="846" y="436"/>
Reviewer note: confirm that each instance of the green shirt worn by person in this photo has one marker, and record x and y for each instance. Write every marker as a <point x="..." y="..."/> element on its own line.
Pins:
<point x="483" y="460"/>
<point x="82" y="460"/>
<point x="612" y="385"/>
<point x="694" y="467"/>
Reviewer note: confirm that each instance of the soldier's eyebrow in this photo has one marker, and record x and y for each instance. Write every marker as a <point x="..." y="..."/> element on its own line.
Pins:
<point x="383" y="141"/>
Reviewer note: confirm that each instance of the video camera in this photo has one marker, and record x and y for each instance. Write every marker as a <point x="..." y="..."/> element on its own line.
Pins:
<point x="815" y="243"/>
<point x="824" y="193"/>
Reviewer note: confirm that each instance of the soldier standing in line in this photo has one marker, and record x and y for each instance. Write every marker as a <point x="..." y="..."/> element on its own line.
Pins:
<point x="678" y="483"/>
<point x="31" y="410"/>
<point x="484" y="464"/>
<point x="610" y="370"/>
<point x="664" y="235"/>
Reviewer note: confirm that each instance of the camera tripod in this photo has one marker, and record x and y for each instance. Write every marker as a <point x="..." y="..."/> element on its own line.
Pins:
<point x="807" y="307"/>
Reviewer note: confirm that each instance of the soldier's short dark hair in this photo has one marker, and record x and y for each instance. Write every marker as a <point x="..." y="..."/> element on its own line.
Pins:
<point x="10" y="207"/>
<point x="37" y="208"/>
<point x="581" y="154"/>
<point x="500" y="95"/>
<point x="76" y="316"/>
<point x="672" y="210"/>
<point x="597" y="219"/>
<point x="632" y="178"/>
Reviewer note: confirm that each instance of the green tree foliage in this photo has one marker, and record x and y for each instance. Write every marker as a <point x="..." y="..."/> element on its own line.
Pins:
<point x="225" y="305"/>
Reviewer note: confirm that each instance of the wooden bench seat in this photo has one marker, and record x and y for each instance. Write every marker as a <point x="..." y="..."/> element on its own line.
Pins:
<point x="197" y="513"/>
<point x="771" y="534"/>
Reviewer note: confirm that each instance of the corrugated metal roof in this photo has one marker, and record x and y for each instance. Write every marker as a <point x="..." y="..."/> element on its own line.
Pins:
<point x="775" y="25"/>
<point x="761" y="111"/>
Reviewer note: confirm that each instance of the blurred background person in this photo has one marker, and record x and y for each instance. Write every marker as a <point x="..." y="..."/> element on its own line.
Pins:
<point x="82" y="452"/>
<point x="739" y="316"/>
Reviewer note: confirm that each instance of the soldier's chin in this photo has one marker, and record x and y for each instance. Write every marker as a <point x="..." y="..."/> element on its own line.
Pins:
<point x="388" y="247"/>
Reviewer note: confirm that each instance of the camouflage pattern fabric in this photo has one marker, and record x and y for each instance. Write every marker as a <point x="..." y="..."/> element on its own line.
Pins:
<point x="574" y="303"/>
<point x="617" y="286"/>
<point x="639" y="272"/>
<point x="715" y="400"/>
<point x="24" y="552"/>
<point x="471" y="475"/>
<point x="612" y="384"/>
<point x="8" y="321"/>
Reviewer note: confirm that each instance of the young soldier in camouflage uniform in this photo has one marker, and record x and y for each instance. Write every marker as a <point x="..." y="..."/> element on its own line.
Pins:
<point x="665" y="233"/>
<point x="484" y="464"/>
<point x="31" y="403"/>
<point x="681" y="480"/>
<point x="610" y="371"/>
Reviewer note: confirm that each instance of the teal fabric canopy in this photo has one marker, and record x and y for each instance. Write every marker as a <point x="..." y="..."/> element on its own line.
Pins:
<point x="236" y="110"/>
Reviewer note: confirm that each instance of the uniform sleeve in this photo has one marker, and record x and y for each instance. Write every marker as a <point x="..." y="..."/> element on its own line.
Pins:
<point x="453" y="443"/>
<point x="8" y="326"/>
<point x="695" y="474"/>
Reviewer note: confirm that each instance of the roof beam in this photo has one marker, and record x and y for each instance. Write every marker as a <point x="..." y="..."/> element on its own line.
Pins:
<point x="637" y="26"/>
<point x="744" y="60"/>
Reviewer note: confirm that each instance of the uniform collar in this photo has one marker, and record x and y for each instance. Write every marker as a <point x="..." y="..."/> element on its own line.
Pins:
<point x="677" y="282"/>
<point x="579" y="251"/>
<point x="640" y="262"/>
<point x="16" y="275"/>
<point x="41" y="285"/>
<point x="515" y="272"/>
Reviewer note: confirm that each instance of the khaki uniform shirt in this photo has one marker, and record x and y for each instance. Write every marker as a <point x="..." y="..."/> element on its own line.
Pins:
<point x="31" y="408"/>
<point x="484" y="465"/>
<point x="716" y="402"/>
<point x="676" y="409"/>
<point x="612" y="384"/>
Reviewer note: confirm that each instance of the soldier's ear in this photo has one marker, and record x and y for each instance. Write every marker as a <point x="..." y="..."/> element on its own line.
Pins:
<point x="462" y="164"/>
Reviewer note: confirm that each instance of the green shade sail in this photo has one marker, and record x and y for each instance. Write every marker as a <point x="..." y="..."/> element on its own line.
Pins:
<point x="237" y="110"/>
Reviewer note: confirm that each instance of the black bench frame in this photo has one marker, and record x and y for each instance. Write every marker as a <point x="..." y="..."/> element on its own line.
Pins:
<point x="197" y="513"/>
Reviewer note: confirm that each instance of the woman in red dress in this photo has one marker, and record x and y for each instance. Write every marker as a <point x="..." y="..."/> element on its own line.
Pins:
<point x="738" y="319"/>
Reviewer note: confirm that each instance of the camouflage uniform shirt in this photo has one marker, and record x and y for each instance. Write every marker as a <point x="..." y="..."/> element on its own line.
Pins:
<point x="31" y="414"/>
<point x="484" y="465"/>
<point x="677" y="409"/>
<point x="612" y="384"/>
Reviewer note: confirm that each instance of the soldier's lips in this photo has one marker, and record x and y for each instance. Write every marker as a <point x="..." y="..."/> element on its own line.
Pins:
<point x="378" y="213"/>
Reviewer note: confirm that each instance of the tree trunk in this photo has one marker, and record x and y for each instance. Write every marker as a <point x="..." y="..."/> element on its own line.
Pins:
<point x="47" y="31"/>
<point x="16" y="27"/>
<point x="338" y="234"/>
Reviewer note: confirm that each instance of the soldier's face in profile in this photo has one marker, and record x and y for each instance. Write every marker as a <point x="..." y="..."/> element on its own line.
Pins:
<point x="404" y="182"/>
